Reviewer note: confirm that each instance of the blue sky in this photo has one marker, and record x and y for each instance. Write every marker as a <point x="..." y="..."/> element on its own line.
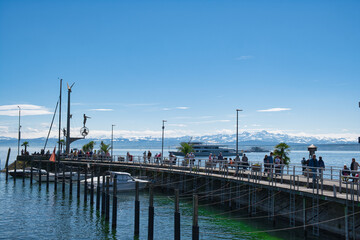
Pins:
<point x="135" y="63"/>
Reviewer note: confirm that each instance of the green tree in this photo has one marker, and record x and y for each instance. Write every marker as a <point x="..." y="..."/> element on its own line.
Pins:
<point x="185" y="148"/>
<point x="25" y="144"/>
<point x="104" y="147"/>
<point x="88" y="147"/>
<point x="283" y="150"/>
<point x="62" y="143"/>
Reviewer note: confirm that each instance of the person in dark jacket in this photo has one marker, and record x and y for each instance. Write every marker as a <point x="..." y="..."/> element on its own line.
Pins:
<point x="313" y="164"/>
<point x="321" y="165"/>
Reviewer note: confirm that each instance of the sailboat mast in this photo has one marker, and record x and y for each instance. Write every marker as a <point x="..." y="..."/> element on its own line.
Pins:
<point x="59" y="120"/>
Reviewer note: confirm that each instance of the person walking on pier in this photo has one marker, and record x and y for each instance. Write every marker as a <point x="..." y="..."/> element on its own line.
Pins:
<point x="271" y="163"/>
<point x="354" y="168"/>
<point x="245" y="161"/>
<point x="313" y="164"/>
<point x="221" y="161"/>
<point x="149" y="156"/>
<point x="237" y="165"/>
<point x="321" y="165"/>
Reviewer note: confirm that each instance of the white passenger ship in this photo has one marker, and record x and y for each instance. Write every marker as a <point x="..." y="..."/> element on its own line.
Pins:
<point x="203" y="149"/>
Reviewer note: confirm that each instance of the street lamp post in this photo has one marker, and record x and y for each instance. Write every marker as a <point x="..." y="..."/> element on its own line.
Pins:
<point x="112" y="140"/>
<point x="19" y="134"/>
<point x="162" y="141"/>
<point x="237" y="130"/>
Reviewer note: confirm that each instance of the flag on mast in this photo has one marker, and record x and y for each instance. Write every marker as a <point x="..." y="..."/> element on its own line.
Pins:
<point x="52" y="157"/>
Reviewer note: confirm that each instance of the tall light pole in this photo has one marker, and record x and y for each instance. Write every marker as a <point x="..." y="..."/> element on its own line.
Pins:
<point x="19" y="134"/>
<point x="162" y="141"/>
<point x="237" y="130"/>
<point x="112" y="140"/>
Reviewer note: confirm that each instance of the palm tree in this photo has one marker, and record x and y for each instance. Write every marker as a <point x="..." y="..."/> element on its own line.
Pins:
<point x="25" y="144"/>
<point x="185" y="148"/>
<point x="89" y="146"/>
<point x="104" y="147"/>
<point x="62" y="143"/>
<point x="283" y="150"/>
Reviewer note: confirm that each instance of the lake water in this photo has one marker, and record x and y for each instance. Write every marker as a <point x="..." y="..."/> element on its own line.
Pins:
<point x="29" y="213"/>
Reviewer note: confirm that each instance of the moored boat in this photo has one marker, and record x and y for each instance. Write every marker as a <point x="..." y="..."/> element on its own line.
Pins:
<point x="124" y="181"/>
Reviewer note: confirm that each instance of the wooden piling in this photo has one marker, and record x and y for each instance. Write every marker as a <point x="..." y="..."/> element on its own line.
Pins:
<point x="98" y="192"/>
<point x="114" y="209"/>
<point x="7" y="164"/>
<point x="151" y="214"/>
<point x="71" y="181"/>
<point x="177" y="216"/>
<point x="47" y="176"/>
<point x="78" y="185"/>
<point x="195" y="227"/>
<point x="137" y="211"/>
<point x="55" y="182"/>
<point x="107" y="202"/>
<point x="92" y="188"/>
<point x="39" y="172"/>
<point x="103" y="196"/>
<point x="63" y="180"/>
<point x="14" y="171"/>
<point x="23" y="176"/>
<point x="31" y="173"/>
<point x="85" y="186"/>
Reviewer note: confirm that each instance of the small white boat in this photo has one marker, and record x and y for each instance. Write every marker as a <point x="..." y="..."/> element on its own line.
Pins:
<point x="27" y="172"/>
<point x="68" y="175"/>
<point x="124" y="181"/>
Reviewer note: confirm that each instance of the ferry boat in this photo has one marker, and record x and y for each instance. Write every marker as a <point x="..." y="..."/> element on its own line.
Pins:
<point x="203" y="149"/>
<point x="125" y="182"/>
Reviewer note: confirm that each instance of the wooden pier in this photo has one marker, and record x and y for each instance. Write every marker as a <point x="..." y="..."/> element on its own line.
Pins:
<point x="312" y="204"/>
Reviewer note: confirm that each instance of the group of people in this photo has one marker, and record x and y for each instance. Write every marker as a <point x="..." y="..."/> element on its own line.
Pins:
<point x="353" y="171"/>
<point x="270" y="163"/>
<point x="312" y="166"/>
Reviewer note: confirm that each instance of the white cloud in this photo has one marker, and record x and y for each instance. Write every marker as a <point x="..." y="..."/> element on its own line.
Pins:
<point x="177" y="125"/>
<point x="275" y="110"/>
<point x="102" y="109"/>
<point x="26" y="110"/>
<point x="210" y="121"/>
<point x="242" y="58"/>
<point x="181" y="108"/>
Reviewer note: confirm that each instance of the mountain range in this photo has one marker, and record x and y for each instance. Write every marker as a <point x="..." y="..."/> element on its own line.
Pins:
<point x="245" y="138"/>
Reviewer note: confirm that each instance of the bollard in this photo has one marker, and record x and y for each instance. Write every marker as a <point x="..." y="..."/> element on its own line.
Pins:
<point x="92" y="189"/>
<point x="47" y="176"/>
<point x="7" y="164"/>
<point x="137" y="211"/>
<point x="78" y="185"/>
<point x="151" y="214"/>
<point x="71" y="183"/>
<point x="98" y="193"/>
<point x="114" y="209"/>
<point x="103" y="196"/>
<point x="63" y="180"/>
<point x="85" y="186"/>
<point x="177" y="216"/>
<point x="107" y="208"/>
<point x="195" y="227"/>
